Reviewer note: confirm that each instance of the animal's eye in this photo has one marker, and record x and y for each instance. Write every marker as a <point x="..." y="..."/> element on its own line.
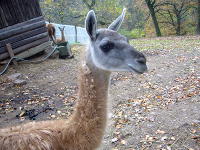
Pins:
<point x="106" y="47"/>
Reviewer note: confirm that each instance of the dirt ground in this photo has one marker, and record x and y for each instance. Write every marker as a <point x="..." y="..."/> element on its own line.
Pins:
<point x="157" y="110"/>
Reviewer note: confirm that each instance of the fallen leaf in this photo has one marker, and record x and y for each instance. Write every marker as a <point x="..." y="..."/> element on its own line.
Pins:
<point x="160" y="132"/>
<point x="123" y="142"/>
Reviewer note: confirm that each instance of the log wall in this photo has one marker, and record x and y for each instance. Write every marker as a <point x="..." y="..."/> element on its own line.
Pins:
<point x="21" y="25"/>
<point x="17" y="11"/>
<point x="23" y="36"/>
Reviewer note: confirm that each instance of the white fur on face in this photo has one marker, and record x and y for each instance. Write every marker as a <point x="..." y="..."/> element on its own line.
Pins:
<point x="114" y="57"/>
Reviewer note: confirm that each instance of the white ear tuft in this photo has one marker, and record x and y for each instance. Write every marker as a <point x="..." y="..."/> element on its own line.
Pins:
<point x="116" y="24"/>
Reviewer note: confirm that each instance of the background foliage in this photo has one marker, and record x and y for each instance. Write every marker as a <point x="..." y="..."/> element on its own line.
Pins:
<point x="145" y="18"/>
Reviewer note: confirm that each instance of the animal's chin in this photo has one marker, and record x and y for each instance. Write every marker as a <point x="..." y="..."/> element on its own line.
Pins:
<point x="135" y="70"/>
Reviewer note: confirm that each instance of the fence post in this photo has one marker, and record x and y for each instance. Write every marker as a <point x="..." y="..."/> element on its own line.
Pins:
<point x="76" y="40"/>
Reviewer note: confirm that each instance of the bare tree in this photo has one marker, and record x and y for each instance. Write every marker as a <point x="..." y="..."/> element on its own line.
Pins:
<point x="152" y="5"/>
<point x="89" y="3"/>
<point x="174" y="13"/>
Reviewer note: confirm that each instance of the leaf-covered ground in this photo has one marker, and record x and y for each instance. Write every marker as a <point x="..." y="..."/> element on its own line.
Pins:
<point x="157" y="110"/>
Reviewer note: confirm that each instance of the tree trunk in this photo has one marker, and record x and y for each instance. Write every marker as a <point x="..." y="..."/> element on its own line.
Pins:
<point x="155" y="22"/>
<point x="153" y="16"/>
<point x="198" y="18"/>
<point x="178" y="28"/>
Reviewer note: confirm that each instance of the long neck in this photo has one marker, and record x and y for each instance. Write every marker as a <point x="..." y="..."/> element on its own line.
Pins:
<point x="91" y="111"/>
<point x="63" y="35"/>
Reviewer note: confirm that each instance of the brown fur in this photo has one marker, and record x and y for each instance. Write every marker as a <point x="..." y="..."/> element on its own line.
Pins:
<point x="85" y="128"/>
<point x="83" y="131"/>
<point x="62" y="39"/>
<point x="51" y="31"/>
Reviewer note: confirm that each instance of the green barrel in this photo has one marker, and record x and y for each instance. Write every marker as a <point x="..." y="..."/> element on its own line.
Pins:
<point x="64" y="49"/>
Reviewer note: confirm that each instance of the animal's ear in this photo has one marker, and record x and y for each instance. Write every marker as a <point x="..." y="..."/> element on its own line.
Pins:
<point x="91" y="24"/>
<point x="115" y="25"/>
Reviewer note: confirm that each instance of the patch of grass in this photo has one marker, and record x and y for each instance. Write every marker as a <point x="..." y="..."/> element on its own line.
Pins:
<point x="133" y="34"/>
<point x="167" y="43"/>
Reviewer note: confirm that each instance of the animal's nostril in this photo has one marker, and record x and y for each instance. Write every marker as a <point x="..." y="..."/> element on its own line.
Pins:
<point x="141" y="60"/>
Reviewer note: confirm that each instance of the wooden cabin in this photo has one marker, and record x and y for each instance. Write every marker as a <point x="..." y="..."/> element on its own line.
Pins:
<point x="23" y="27"/>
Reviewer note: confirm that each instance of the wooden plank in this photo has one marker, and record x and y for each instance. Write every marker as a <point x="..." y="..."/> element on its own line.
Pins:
<point x="34" y="9"/>
<point x="21" y="29"/>
<point x="1" y="22"/>
<point x="27" y="6"/>
<point x="10" y="52"/>
<point x="34" y="50"/>
<point x="30" y="52"/>
<point x="38" y="8"/>
<point x="16" y="11"/>
<point x="22" y="24"/>
<point x="31" y="45"/>
<point x="7" y="13"/>
<point x="22" y="36"/>
<point x="23" y="8"/>
<point x="25" y="47"/>
<point x="13" y="14"/>
<point x="33" y="14"/>
<point x="27" y="41"/>
<point x="2" y="16"/>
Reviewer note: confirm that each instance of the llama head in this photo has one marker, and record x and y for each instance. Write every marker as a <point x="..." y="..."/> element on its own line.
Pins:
<point x="62" y="29"/>
<point x="110" y="50"/>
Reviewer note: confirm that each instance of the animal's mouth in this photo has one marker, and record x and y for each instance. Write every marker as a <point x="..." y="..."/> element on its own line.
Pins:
<point x="135" y="70"/>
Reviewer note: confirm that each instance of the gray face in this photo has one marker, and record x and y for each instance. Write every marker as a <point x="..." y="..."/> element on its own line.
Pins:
<point x="111" y="51"/>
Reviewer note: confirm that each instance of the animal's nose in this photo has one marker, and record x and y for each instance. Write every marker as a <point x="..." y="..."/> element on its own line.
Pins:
<point x="141" y="60"/>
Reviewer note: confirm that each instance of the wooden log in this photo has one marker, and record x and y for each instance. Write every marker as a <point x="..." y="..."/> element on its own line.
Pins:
<point x="10" y="52"/>
<point x="34" y="50"/>
<point x="21" y="29"/>
<point x="26" y="41"/>
<point x="30" y="52"/>
<point x="21" y="24"/>
<point x="25" y="47"/>
<point x="22" y="36"/>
